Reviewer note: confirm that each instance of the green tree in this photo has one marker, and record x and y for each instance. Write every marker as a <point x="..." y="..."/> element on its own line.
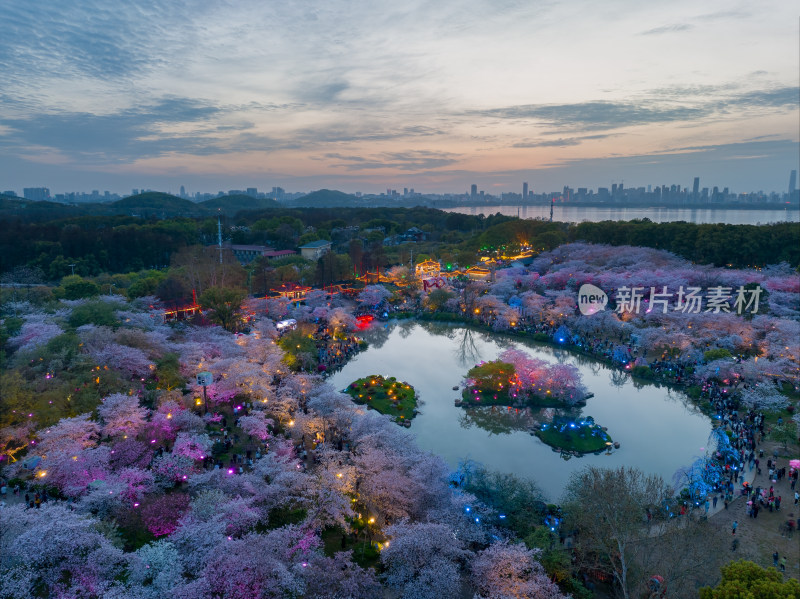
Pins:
<point x="438" y="298"/>
<point x="99" y="313"/>
<point x="608" y="508"/>
<point x="76" y="287"/>
<point x="746" y="580"/>
<point x="224" y="305"/>
<point x="785" y="432"/>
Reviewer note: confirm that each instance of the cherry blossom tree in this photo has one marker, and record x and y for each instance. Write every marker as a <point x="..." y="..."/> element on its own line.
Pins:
<point x="35" y="332"/>
<point x="422" y="561"/>
<point x="338" y="576"/>
<point x="372" y="295"/>
<point x="154" y="571"/>
<point x="56" y="552"/>
<point x="130" y="453"/>
<point x="171" y="468"/>
<point x="511" y="570"/>
<point x="121" y="415"/>
<point x="68" y="434"/>
<point x="257" y="425"/>
<point x="192" y="445"/>
<point x="161" y="514"/>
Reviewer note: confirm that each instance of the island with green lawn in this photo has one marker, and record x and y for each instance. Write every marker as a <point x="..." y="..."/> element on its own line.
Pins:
<point x="388" y="396"/>
<point x="575" y="436"/>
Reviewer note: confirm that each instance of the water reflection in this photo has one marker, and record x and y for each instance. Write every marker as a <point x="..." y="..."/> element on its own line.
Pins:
<point x="497" y="420"/>
<point x="467" y="352"/>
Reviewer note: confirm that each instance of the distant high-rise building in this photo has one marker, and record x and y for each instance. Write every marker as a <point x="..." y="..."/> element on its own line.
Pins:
<point x="792" y="182"/>
<point x="36" y="194"/>
<point x="252" y="191"/>
<point x="524" y="191"/>
<point x="405" y="192"/>
<point x="183" y="191"/>
<point x="696" y="188"/>
<point x="10" y="193"/>
<point x="134" y="191"/>
<point x="473" y="191"/>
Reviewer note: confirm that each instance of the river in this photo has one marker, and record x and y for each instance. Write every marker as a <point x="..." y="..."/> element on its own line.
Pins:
<point x="576" y="214"/>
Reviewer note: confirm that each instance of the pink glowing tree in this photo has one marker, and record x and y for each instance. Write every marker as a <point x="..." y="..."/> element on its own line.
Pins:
<point x="192" y="445"/>
<point x="161" y="514"/>
<point x="257" y="425"/>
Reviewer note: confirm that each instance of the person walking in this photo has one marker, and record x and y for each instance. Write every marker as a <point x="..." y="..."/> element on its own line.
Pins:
<point x="714" y="501"/>
<point x="775" y="557"/>
<point x="783" y="564"/>
<point x="734" y="526"/>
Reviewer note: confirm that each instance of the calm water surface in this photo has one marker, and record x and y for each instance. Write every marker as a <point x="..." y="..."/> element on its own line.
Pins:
<point x="576" y="214"/>
<point x="659" y="430"/>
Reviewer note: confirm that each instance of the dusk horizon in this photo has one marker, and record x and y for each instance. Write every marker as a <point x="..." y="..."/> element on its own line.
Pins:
<point x="368" y="97"/>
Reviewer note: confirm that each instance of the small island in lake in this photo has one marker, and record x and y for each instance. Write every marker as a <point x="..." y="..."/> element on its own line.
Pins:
<point x="389" y="396"/>
<point x="581" y="436"/>
<point x="521" y="381"/>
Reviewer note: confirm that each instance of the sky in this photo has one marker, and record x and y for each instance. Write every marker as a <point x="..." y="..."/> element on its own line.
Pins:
<point x="365" y="96"/>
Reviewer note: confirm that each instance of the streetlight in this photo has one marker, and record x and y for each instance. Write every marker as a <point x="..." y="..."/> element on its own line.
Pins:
<point x="72" y="266"/>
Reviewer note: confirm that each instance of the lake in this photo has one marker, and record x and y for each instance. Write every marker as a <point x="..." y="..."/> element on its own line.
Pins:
<point x="659" y="430"/>
<point x="576" y="214"/>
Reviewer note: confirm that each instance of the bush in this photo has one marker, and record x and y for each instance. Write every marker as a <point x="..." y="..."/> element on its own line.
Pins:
<point x="75" y="287"/>
<point x="716" y="354"/>
<point x="97" y="313"/>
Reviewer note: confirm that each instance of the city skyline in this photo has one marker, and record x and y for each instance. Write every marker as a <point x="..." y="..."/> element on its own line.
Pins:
<point x="361" y="97"/>
<point x="644" y="193"/>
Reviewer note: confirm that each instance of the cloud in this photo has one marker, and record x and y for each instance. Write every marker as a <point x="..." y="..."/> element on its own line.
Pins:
<point x="561" y="142"/>
<point x="668" y="29"/>
<point x="405" y="161"/>
<point x="589" y="116"/>
<point x="686" y="103"/>
<point x="97" y="38"/>
<point x="169" y="124"/>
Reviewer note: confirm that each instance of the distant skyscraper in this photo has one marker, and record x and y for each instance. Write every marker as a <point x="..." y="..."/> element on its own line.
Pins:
<point x="792" y="182"/>
<point x="696" y="188"/>
<point x="183" y="191"/>
<point x="36" y="194"/>
<point x="524" y="191"/>
<point x="473" y="191"/>
<point x="252" y="192"/>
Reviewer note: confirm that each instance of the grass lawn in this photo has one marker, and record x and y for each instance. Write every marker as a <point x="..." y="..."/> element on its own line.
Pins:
<point x="386" y="395"/>
<point x="583" y="436"/>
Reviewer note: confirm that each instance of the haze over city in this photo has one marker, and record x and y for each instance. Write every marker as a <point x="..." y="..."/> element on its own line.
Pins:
<point x="369" y="96"/>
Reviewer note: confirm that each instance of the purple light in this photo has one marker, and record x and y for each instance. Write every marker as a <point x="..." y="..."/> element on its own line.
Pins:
<point x="230" y="470"/>
<point x="153" y="441"/>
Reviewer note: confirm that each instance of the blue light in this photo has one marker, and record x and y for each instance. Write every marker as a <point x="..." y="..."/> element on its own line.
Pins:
<point x="477" y="519"/>
<point x="502" y="516"/>
<point x="467" y="508"/>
